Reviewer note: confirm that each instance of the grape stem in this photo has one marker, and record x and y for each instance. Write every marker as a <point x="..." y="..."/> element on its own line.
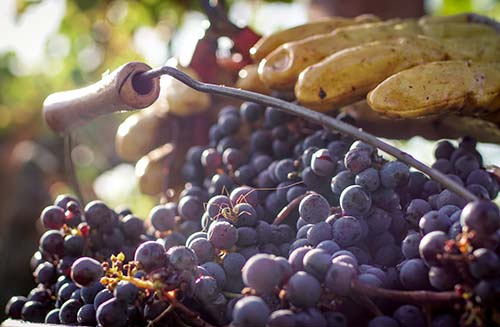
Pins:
<point x="283" y="214"/>
<point x="313" y="116"/>
<point x="416" y="297"/>
<point x="161" y="316"/>
<point x="195" y="318"/>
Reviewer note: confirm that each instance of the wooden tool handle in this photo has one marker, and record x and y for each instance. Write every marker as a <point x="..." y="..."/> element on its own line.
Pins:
<point x="116" y="91"/>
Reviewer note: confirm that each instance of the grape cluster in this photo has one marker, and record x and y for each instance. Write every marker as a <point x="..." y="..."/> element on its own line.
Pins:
<point x="280" y="223"/>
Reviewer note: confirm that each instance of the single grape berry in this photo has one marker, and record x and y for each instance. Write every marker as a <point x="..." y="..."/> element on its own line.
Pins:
<point x="355" y="201"/>
<point x="53" y="217"/>
<point x="86" y="271"/>
<point x="314" y="208"/>
<point x="150" y="255"/>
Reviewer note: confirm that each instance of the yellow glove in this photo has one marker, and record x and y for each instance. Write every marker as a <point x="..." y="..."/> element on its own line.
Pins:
<point x="433" y="66"/>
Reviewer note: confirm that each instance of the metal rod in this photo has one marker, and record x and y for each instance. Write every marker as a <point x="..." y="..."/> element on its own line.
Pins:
<point x="312" y="116"/>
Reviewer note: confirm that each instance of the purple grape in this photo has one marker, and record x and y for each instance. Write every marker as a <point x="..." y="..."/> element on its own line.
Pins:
<point x="281" y="318"/>
<point x="229" y="123"/>
<point x="361" y="255"/>
<point x="52" y="243"/>
<point x="316" y="262"/>
<point x="410" y="316"/>
<point x="132" y="227"/>
<point x="449" y="210"/>
<point x="260" y="162"/>
<point x="101" y="297"/>
<point x="355" y="201"/>
<point x="338" y="278"/>
<point x="217" y="272"/>
<point x="251" y="111"/>
<point x="203" y="249"/>
<point x="465" y="165"/>
<point x="222" y="235"/>
<point x="150" y="255"/>
<point x="211" y="159"/>
<point x="246" y="236"/>
<point x="319" y="232"/>
<point x="322" y="163"/>
<point x="409" y="246"/>
<point x="416" y="209"/>
<point x="216" y="205"/>
<point x="388" y="255"/>
<point x="485" y="264"/>
<point x="434" y="221"/>
<point x="86" y="315"/>
<point x="378" y="220"/>
<point x="346" y="231"/>
<point x="479" y="191"/>
<point x="14" y="307"/>
<point x="370" y="279"/>
<point x="481" y="216"/>
<point x="233" y="264"/>
<point x="62" y="200"/>
<point x="414" y="275"/>
<point x="357" y="160"/>
<point x="383" y="321"/>
<point x="310" y="317"/>
<point x="285" y="269"/>
<point x="245" y="174"/>
<point x="329" y="246"/>
<point x="416" y="183"/>
<point x="484" y="178"/>
<point x="443" y="165"/>
<point x="283" y="169"/>
<point x="244" y="194"/>
<point x="394" y="174"/>
<point x="335" y="319"/>
<point x="431" y="246"/>
<point x="368" y="178"/>
<point x="86" y="271"/>
<point x="296" y="258"/>
<point x="52" y="317"/>
<point x="341" y="181"/>
<point x="112" y="313"/>
<point x="250" y="311"/>
<point x="33" y="311"/>
<point x="162" y="218"/>
<point x="53" y="217"/>
<point x="345" y="257"/>
<point x="443" y="279"/>
<point x="443" y="149"/>
<point x="126" y="292"/>
<point x="182" y="258"/>
<point x="303" y="290"/>
<point x="448" y="197"/>
<point x="314" y="208"/>
<point x="261" y="273"/>
<point x="445" y="320"/>
<point x="88" y="293"/>
<point x="190" y="208"/>
<point x="68" y="312"/>
<point x="99" y="215"/>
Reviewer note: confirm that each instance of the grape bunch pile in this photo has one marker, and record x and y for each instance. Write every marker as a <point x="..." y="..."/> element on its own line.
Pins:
<point x="281" y="223"/>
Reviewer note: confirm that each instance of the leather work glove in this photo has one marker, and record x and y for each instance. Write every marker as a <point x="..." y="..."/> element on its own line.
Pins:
<point x="445" y="68"/>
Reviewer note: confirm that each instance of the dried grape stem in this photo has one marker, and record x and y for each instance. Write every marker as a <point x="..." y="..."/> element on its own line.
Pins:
<point x="416" y="297"/>
<point x="195" y="318"/>
<point x="283" y="214"/>
<point x="312" y="116"/>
